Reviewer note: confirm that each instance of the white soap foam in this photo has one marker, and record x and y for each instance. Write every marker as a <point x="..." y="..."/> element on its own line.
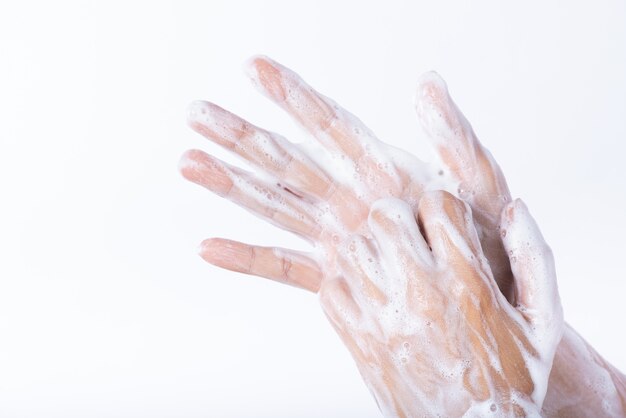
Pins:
<point x="417" y="366"/>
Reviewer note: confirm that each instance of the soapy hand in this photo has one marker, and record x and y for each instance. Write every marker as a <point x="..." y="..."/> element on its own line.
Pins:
<point x="325" y="195"/>
<point x="423" y="318"/>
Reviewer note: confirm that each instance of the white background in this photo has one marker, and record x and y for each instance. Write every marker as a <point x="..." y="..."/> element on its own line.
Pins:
<point x="105" y="308"/>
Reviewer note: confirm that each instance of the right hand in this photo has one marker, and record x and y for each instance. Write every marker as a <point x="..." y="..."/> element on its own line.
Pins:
<point x="425" y="322"/>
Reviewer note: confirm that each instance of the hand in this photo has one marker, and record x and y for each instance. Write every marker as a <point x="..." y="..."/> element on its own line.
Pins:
<point x="325" y="205"/>
<point x="430" y="331"/>
<point x="326" y="202"/>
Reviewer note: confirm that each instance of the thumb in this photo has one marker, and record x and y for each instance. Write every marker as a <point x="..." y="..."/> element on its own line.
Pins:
<point x="532" y="265"/>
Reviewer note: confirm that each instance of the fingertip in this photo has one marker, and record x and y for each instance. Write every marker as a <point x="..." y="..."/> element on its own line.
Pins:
<point x="431" y="89"/>
<point x="225" y="253"/>
<point x="249" y="66"/>
<point x="204" y="249"/>
<point x="212" y="250"/>
<point x="212" y="243"/>
<point x="511" y="211"/>
<point x="255" y="61"/>
<point x="429" y="80"/>
<point x="438" y="203"/>
<point x="188" y="164"/>
<point x="520" y="232"/>
<point x="195" y="110"/>
<point x="388" y="209"/>
<point x="520" y="205"/>
<point x="265" y="74"/>
<point x="447" y="223"/>
<point x="203" y="117"/>
<point x="532" y="264"/>
<point x="438" y="115"/>
<point x="200" y="168"/>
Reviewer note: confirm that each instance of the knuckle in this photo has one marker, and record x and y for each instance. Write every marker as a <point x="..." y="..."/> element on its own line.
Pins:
<point x="285" y="267"/>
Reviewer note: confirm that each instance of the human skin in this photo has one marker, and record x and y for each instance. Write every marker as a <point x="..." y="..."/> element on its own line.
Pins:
<point x="424" y="319"/>
<point x="313" y="199"/>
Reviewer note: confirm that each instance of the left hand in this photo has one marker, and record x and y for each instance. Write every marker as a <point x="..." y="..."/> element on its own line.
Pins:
<point x="326" y="202"/>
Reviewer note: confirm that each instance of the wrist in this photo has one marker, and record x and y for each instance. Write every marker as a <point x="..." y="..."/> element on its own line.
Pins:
<point x="517" y="405"/>
<point x="582" y="383"/>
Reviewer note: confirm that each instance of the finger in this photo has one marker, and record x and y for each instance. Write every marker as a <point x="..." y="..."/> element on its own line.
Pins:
<point x="360" y="266"/>
<point x="447" y="226"/>
<point x="449" y="229"/>
<point x="334" y="127"/>
<point x="278" y="264"/>
<point x="481" y="180"/>
<point x="349" y="141"/>
<point x="537" y="294"/>
<point x="271" y="203"/>
<point x="398" y="238"/>
<point x="266" y="150"/>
